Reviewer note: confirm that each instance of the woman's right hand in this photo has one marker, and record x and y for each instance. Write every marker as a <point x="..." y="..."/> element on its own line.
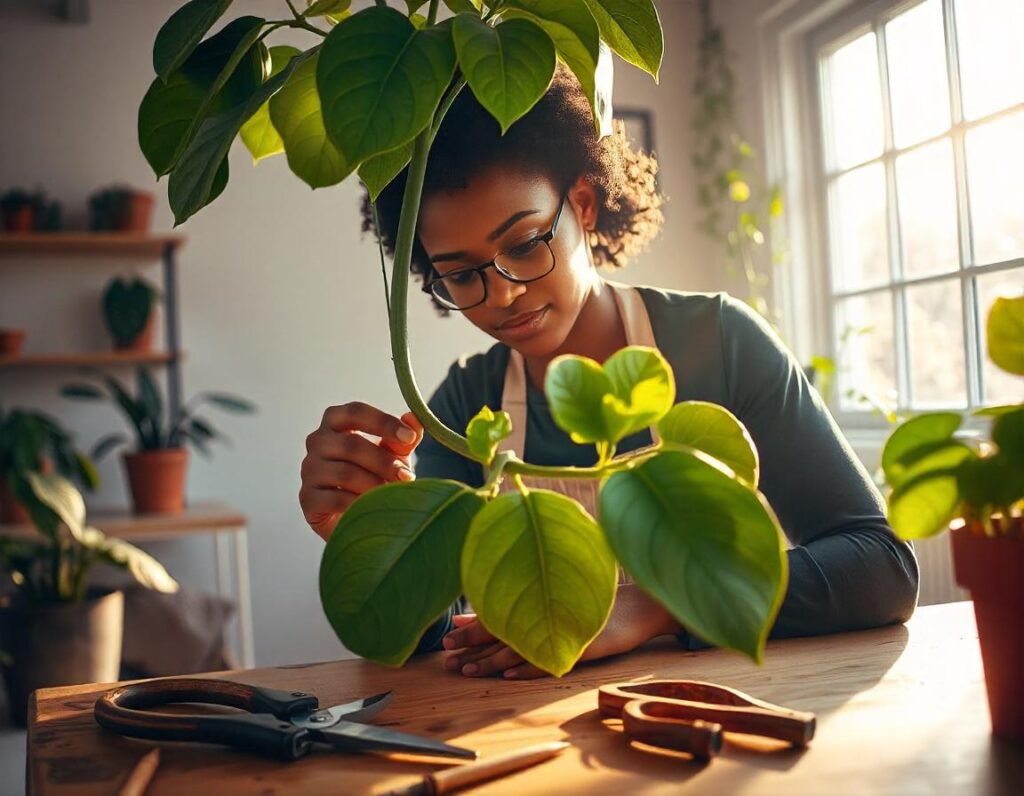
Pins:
<point x="341" y="464"/>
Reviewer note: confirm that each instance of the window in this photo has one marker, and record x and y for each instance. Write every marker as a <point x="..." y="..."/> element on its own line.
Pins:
<point x="921" y="190"/>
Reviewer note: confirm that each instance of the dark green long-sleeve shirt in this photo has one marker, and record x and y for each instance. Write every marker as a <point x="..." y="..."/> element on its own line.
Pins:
<point x="847" y="570"/>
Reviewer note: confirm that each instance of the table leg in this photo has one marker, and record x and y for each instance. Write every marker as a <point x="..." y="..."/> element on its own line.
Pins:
<point x="245" y="636"/>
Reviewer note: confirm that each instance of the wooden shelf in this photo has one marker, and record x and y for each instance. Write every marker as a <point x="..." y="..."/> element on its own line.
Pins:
<point x="197" y="518"/>
<point x="94" y="359"/>
<point x="88" y="244"/>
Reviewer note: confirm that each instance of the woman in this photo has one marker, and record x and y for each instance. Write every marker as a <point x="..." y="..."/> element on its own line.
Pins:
<point x="511" y="232"/>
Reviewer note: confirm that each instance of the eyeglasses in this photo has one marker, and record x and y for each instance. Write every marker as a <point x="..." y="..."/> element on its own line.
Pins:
<point x="527" y="262"/>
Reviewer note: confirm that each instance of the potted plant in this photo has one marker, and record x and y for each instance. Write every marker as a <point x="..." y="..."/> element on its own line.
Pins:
<point x="120" y="209"/>
<point x="55" y="630"/>
<point x="432" y="536"/>
<point x="11" y="342"/>
<point x="128" y="312"/>
<point x="975" y="488"/>
<point x="19" y="208"/>
<point x="32" y="442"/>
<point x="158" y="465"/>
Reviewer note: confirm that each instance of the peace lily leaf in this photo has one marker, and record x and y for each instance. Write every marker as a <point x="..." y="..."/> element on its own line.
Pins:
<point x="380" y="81"/>
<point x="991" y="483"/>
<point x="575" y="387"/>
<point x="378" y="172"/>
<point x="644" y="385"/>
<point x="296" y="113"/>
<point x="321" y="8"/>
<point x="1005" y="332"/>
<point x="633" y="30"/>
<point x="508" y="67"/>
<point x="142" y="566"/>
<point x="394" y="536"/>
<point x="486" y="430"/>
<point x="917" y="436"/>
<point x="258" y="133"/>
<point x="703" y="544"/>
<point x="1008" y="434"/>
<point x="714" y="430"/>
<point x="60" y="496"/>
<point x="540" y="576"/>
<point x="181" y="33"/>
<point x="169" y="108"/>
<point x="924" y="506"/>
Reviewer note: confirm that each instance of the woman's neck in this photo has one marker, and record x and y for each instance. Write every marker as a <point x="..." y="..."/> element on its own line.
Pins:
<point x="598" y="333"/>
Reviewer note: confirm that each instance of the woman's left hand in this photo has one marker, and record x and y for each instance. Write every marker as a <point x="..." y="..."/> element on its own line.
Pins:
<point x="635" y="619"/>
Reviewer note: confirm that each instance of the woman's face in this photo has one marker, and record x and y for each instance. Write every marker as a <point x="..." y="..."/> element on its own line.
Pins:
<point x="501" y="209"/>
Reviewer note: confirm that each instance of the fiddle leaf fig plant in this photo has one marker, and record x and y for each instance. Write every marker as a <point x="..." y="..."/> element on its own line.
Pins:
<point x="682" y="516"/>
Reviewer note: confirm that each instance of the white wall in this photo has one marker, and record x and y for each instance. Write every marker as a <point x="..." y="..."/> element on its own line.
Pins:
<point x="281" y="300"/>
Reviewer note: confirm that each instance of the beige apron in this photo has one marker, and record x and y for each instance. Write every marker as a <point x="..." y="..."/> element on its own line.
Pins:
<point x="637" y="325"/>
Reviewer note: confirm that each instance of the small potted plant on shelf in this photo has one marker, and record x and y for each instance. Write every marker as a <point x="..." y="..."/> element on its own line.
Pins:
<point x="157" y="468"/>
<point x="120" y="209"/>
<point x="32" y="442"/>
<point x="11" y="342"/>
<point x="128" y="312"/>
<point x="975" y="488"/>
<point x="55" y="629"/>
<point x="25" y="211"/>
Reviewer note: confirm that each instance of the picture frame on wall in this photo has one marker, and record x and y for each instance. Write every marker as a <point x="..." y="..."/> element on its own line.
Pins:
<point x="639" y="124"/>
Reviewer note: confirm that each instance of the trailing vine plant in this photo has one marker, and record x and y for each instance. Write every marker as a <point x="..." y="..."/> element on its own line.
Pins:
<point x="684" y="516"/>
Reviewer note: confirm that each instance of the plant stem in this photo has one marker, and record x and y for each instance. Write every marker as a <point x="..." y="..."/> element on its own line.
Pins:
<point x="446" y="103"/>
<point x="294" y="11"/>
<point x="432" y="13"/>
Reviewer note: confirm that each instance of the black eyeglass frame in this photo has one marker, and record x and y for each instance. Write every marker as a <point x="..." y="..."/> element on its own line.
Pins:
<point x="546" y="239"/>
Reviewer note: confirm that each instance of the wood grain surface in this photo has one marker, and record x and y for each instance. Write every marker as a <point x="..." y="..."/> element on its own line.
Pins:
<point x="900" y="710"/>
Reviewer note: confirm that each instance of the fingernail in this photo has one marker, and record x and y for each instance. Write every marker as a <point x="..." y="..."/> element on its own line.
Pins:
<point x="470" y="668"/>
<point x="448" y="642"/>
<point x="405" y="434"/>
<point x="405" y="474"/>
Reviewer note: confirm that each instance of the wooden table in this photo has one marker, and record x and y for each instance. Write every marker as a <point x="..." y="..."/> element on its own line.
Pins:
<point x="900" y="710"/>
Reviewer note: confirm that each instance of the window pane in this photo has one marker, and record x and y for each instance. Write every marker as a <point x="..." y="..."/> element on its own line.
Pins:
<point x="855" y="103"/>
<point x="935" y="323"/>
<point x="1000" y="386"/>
<point x="861" y="256"/>
<point x="927" y="199"/>
<point x="918" y="81"/>
<point x="995" y="178"/>
<point x="867" y="360"/>
<point x="989" y="37"/>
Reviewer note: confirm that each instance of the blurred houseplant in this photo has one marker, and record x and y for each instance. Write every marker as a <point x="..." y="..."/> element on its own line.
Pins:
<point x="11" y="342"/>
<point x="32" y="442"/>
<point x="158" y="466"/>
<point x="368" y="97"/>
<point x="27" y="212"/>
<point x="120" y="209"/>
<point x="128" y="312"/>
<point x="55" y="630"/>
<point x="975" y="487"/>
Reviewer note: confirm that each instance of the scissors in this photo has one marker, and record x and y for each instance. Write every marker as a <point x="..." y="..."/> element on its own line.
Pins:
<point x="690" y="715"/>
<point x="281" y="724"/>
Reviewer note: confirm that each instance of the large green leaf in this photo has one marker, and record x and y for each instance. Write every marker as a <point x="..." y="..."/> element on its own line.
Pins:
<point x="1008" y="434"/>
<point x="575" y="388"/>
<point x="180" y="34"/>
<point x="702" y="543"/>
<point x="644" y="389"/>
<point x="1004" y="330"/>
<point x="540" y="576"/>
<point x="508" y="67"/>
<point x="142" y="566"/>
<point x="378" y="172"/>
<point x="195" y="180"/>
<point x="169" y="109"/>
<point x="380" y="81"/>
<point x="633" y="30"/>
<point x="716" y="431"/>
<point x="925" y="505"/>
<point x="259" y="134"/>
<point x="298" y="117"/>
<point x="486" y="430"/>
<point x="321" y="8"/>
<point x="991" y="484"/>
<point x="917" y="437"/>
<point x="391" y="567"/>
<point x="60" y="496"/>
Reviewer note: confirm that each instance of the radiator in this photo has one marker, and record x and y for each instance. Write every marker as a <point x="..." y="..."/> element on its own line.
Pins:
<point x="935" y="560"/>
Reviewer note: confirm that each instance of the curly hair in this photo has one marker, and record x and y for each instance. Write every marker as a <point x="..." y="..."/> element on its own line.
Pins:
<point x="556" y="138"/>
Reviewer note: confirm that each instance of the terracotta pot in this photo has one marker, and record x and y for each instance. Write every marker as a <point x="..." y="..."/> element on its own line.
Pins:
<point x="11" y="511"/>
<point x="11" y="342"/>
<point x="53" y="644"/>
<point x="157" y="480"/>
<point x="136" y="214"/>
<point x="992" y="569"/>
<point x="21" y="220"/>
<point x="144" y="340"/>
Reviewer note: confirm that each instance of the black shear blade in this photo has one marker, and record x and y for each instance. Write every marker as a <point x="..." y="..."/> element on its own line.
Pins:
<point x="357" y="710"/>
<point x="354" y="737"/>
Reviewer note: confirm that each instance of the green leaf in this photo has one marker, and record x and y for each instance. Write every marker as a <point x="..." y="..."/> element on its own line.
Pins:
<point x="180" y="34"/>
<point x="230" y="403"/>
<point x="378" y="172"/>
<point x="485" y="431"/>
<point x="924" y="506"/>
<point x="455" y="6"/>
<point x="380" y="81"/>
<point x="1008" y="434"/>
<point x="575" y="388"/>
<point x="149" y="399"/>
<point x="321" y="8"/>
<point x="60" y="496"/>
<point x="86" y="471"/>
<point x="714" y="430"/>
<point x="633" y="30"/>
<point x="84" y="392"/>
<point x="392" y="537"/>
<point x="995" y="411"/>
<point x="540" y="576"/>
<point x="703" y="544"/>
<point x="258" y="133"/>
<point x="1005" y="332"/>
<point x="508" y="67"/>
<point x="414" y="5"/>
<point x="644" y="389"/>
<point x="142" y="566"/>
<point x="297" y="115"/>
<point x="126" y="308"/>
<point x="915" y="438"/>
<point x="991" y="483"/>
<point x="194" y="182"/>
<point x="106" y="444"/>
<point x="169" y="109"/>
